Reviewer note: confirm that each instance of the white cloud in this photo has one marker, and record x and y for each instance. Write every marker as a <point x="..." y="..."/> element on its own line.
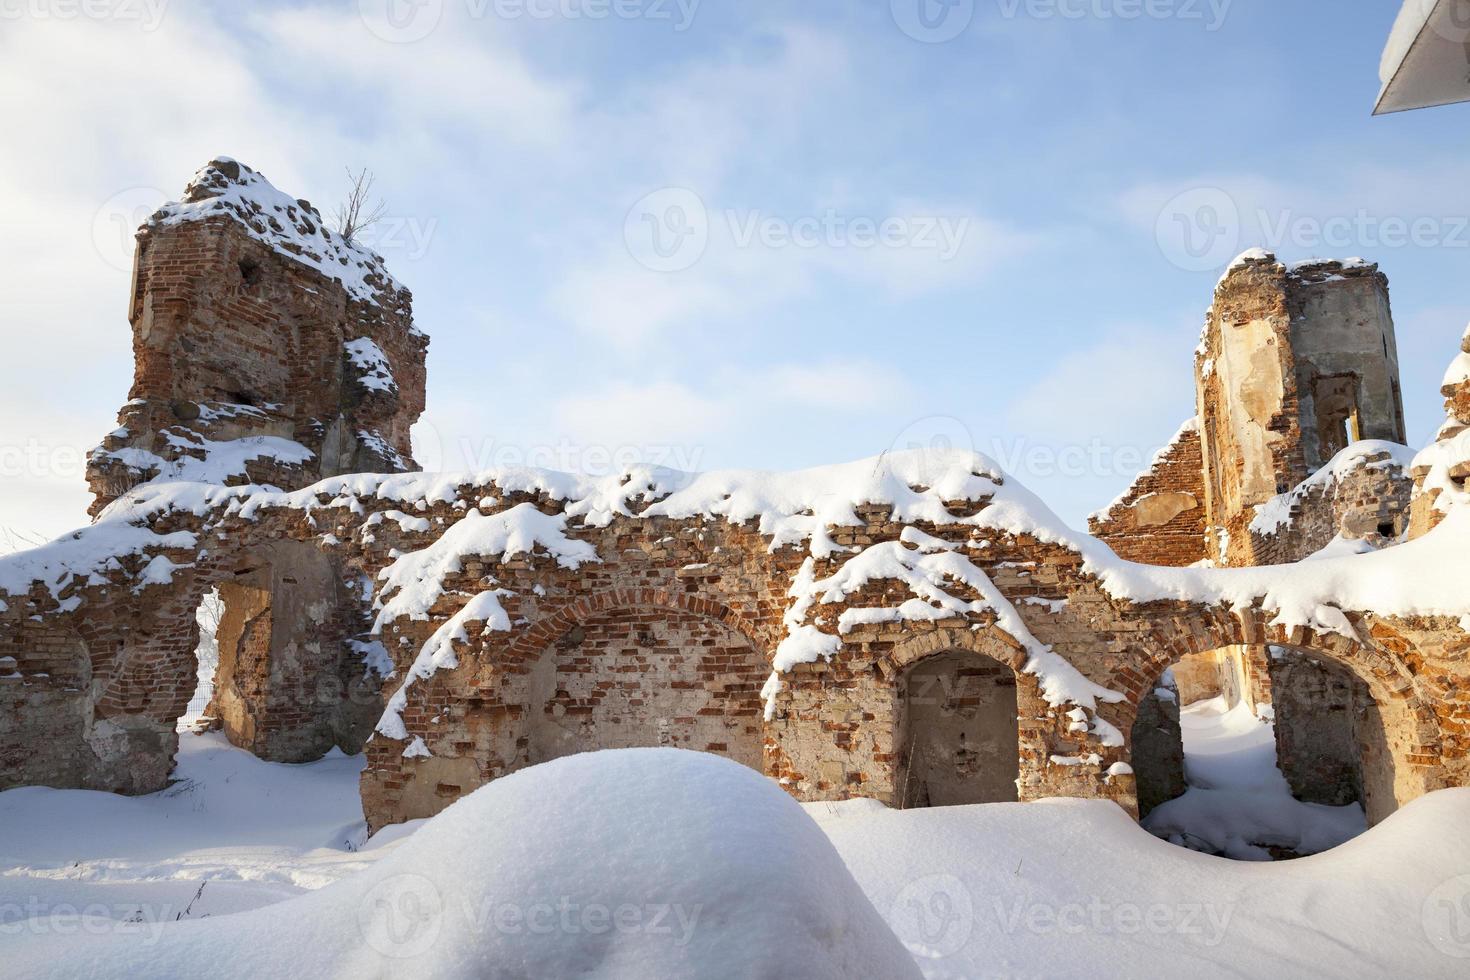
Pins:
<point x="628" y="413"/>
<point x="1134" y="381"/>
<point x="757" y="259"/>
<point x="463" y="80"/>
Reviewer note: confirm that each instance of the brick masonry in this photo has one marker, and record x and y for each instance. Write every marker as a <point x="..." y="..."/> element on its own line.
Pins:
<point x="667" y="639"/>
<point x="1160" y="519"/>
<point x="234" y="338"/>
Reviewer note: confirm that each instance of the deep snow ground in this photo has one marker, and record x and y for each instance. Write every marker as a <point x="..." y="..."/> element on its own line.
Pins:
<point x="1060" y="888"/>
<point x="255" y="832"/>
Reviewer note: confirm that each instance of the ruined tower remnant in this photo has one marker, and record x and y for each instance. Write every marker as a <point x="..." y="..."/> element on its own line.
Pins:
<point x="1296" y="363"/>
<point x="271" y="352"/>
<point x="268" y="349"/>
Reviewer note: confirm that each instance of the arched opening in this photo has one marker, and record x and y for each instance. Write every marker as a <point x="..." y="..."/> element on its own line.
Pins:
<point x="957" y="732"/>
<point x="1259" y="753"/>
<point x="288" y="684"/>
<point x="643" y="678"/>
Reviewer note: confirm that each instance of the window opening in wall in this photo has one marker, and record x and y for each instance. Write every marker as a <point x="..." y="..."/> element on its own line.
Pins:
<point x="1338" y="421"/>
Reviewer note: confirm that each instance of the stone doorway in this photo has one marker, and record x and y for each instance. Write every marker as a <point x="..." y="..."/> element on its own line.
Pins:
<point x="958" y="734"/>
<point x="288" y="685"/>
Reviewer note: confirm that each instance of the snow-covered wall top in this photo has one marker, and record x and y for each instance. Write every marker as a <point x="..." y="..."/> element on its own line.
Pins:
<point x="964" y="499"/>
<point x="1367" y="454"/>
<point x="1423" y="577"/>
<point x="290" y="226"/>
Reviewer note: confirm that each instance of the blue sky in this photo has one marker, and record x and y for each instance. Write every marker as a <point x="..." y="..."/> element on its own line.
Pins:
<point x="1032" y="295"/>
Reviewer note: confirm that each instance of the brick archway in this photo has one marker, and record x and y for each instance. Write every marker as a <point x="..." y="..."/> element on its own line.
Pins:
<point x="1410" y="763"/>
<point x="953" y="721"/>
<point x="547" y="628"/>
<point x="641" y="668"/>
<point x="993" y="642"/>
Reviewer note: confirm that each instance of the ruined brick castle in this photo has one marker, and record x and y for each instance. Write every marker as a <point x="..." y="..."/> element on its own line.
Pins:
<point x="916" y="628"/>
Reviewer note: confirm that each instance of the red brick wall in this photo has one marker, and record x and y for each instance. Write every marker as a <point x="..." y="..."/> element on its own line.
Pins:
<point x="1176" y="480"/>
<point x="649" y="677"/>
<point x="221" y="319"/>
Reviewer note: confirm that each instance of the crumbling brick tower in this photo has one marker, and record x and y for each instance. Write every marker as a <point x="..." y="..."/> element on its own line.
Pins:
<point x="1296" y="363"/>
<point x="267" y="349"/>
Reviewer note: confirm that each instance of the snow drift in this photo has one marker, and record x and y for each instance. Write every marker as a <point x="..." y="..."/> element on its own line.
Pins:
<point x="1074" y="888"/>
<point x="633" y="863"/>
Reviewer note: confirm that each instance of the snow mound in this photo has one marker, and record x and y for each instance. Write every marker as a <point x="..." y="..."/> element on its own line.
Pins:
<point x="635" y="863"/>
<point x="1251" y="256"/>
